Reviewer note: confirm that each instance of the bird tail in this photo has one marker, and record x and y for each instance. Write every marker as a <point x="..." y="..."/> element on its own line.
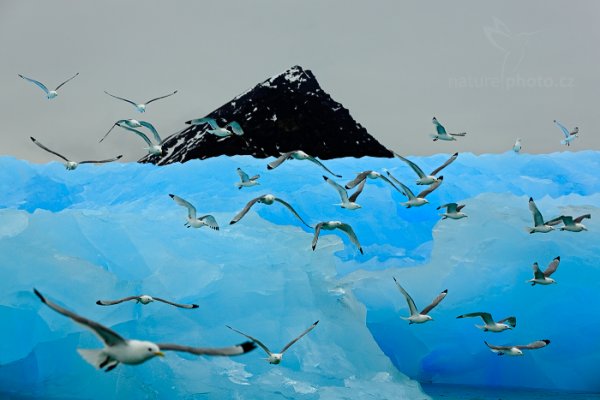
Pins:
<point x="92" y="356"/>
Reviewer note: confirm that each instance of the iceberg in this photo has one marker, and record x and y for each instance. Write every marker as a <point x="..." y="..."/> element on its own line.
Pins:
<point x="111" y="231"/>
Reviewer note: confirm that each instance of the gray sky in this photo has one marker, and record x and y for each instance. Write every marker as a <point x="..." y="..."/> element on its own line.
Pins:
<point x="497" y="70"/>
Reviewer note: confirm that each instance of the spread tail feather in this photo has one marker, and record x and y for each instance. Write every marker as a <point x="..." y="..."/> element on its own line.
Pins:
<point x="92" y="356"/>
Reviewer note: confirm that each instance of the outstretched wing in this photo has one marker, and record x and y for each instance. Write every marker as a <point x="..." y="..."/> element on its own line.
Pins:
<point x="487" y="317"/>
<point x="186" y="204"/>
<point x="188" y="306"/>
<point x="289" y="207"/>
<point x="450" y="207"/>
<point x="434" y="303"/>
<point x="161" y="97"/>
<point x="316" y="235"/>
<point x="38" y="83"/>
<point x="405" y="190"/>
<point x="458" y="134"/>
<point x="552" y="267"/>
<point x="102" y="161"/>
<point x="444" y="165"/>
<point x="564" y="130"/>
<point x="556" y="221"/>
<point x="512" y="321"/>
<point x="313" y="159"/>
<point x="355" y="195"/>
<point x="280" y="160"/>
<point x="414" y="166"/>
<point x="47" y="149"/>
<point x="439" y="127"/>
<point x="538" y="344"/>
<point x="581" y="218"/>
<point x="340" y="189"/>
<point x="431" y="187"/>
<point x="537" y="215"/>
<point x="537" y="273"/>
<point x="241" y="214"/>
<point x="210" y="221"/>
<point x="235" y="127"/>
<point x="243" y="176"/>
<point x="255" y="340"/>
<point x="409" y="300"/>
<point x="121" y="98"/>
<point x="359" y="178"/>
<point x="140" y="134"/>
<point x="206" y="120"/>
<point x="62" y="84"/>
<point x="236" y="350"/>
<point x="119" y="301"/>
<point x="151" y="127"/>
<point x="310" y="328"/>
<point x="499" y="348"/>
<point x="353" y="238"/>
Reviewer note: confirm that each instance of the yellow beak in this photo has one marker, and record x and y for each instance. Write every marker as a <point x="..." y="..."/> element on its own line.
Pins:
<point x="159" y="353"/>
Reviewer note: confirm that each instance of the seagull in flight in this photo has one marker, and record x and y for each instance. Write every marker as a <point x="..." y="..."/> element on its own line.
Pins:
<point x="490" y="324"/>
<point x="298" y="155"/>
<point x="331" y="225"/>
<point x="538" y="220"/>
<point x="275" y="358"/>
<point x="418" y="200"/>
<point x="417" y="317"/>
<point x="442" y="134"/>
<point x="71" y="165"/>
<point x="141" y="107"/>
<point x="144" y="299"/>
<point x="266" y="199"/>
<point x="569" y="135"/>
<point x="129" y="351"/>
<point x="427" y="179"/>
<point x="517" y="350"/>
<point x="50" y="94"/>
<point x="192" y="220"/>
<point x="362" y="176"/>
<point x="543" y="278"/>
<point x="453" y="211"/>
<point x="570" y="224"/>
<point x="245" y="180"/>
<point x="131" y="124"/>
<point x="348" y="203"/>
<point x="517" y="146"/>
<point x="232" y="128"/>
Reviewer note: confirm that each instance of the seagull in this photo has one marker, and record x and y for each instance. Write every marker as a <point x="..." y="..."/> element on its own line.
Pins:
<point x="570" y="224"/>
<point x="192" y="220"/>
<point x="453" y="211"/>
<point x="538" y="220"/>
<point x="144" y="299"/>
<point x="362" y="176"/>
<point x="348" y="203"/>
<point x="129" y="351"/>
<point x="427" y="179"/>
<point x="569" y="135"/>
<point x="123" y="123"/>
<point x="490" y="325"/>
<point x="275" y="358"/>
<point x="245" y="180"/>
<point x="50" y="94"/>
<point x="141" y="107"/>
<point x="442" y="134"/>
<point x="418" y="200"/>
<point x="331" y="225"/>
<point x="298" y="155"/>
<point x="267" y="199"/>
<point x="71" y="165"/>
<point x="131" y="124"/>
<point x="222" y="132"/>
<point x="415" y="316"/>
<point x="517" y="350"/>
<point x="517" y="147"/>
<point x="543" y="278"/>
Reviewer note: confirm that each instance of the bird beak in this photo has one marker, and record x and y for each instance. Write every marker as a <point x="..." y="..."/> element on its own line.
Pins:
<point x="159" y="353"/>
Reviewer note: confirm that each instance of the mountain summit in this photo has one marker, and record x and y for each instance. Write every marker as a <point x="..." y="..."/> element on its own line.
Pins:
<point x="287" y="112"/>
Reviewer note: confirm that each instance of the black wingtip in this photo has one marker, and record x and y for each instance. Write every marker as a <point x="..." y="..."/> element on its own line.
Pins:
<point x="248" y="346"/>
<point x="531" y="199"/>
<point x="547" y="341"/>
<point x="445" y="291"/>
<point x="455" y="154"/>
<point x="395" y="279"/>
<point x="338" y="176"/>
<point x="232" y="222"/>
<point x="269" y="167"/>
<point x="32" y="138"/>
<point x="195" y="306"/>
<point x="38" y="294"/>
<point x="557" y="258"/>
<point x="171" y="195"/>
<point x="188" y="122"/>
<point x="325" y="178"/>
<point x="460" y="316"/>
<point x="119" y="157"/>
<point x="347" y="187"/>
<point x="316" y="322"/>
<point x="99" y="302"/>
<point x="441" y="178"/>
<point x="361" y="250"/>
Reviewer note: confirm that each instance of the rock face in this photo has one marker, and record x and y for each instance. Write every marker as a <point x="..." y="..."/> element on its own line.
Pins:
<point x="287" y="112"/>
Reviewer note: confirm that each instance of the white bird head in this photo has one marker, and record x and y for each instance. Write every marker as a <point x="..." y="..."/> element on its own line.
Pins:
<point x="52" y="94"/>
<point x="155" y="150"/>
<point x="145" y="299"/>
<point x="143" y="350"/>
<point x="71" y="165"/>
<point x="141" y="107"/>
<point x="274" y="358"/>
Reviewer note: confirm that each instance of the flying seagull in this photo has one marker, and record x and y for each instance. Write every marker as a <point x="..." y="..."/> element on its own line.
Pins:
<point x="570" y="224"/>
<point x="129" y="351"/>
<point x="71" y="165"/>
<point x="517" y="350"/>
<point x="331" y="225"/>
<point x="50" y="94"/>
<point x="131" y="124"/>
<point x="348" y="203"/>
<point x="232" y="128"/>
<point x="266" y="199"/>
<point x="418" y="200"/>
<point x="275" y="358"/>
<point x="362" y="176"/>
<point x="144" y="299"/>
<point x="141" y="107"/>
<point x="538" y="220"/>
<point x="246" y="181"/>
<point x="453" y="211"/>
<point x="298" y="155"/>
<point x="192" y="220"/>
<point x="442" y="134"/>
<point x="569" y="135"/>
<point x="417" y="317"/>
<point x="427" y="179"/>
<point x="517" y="146"/>
<point x="543" y="278"/>
<point x="490" y="324"/>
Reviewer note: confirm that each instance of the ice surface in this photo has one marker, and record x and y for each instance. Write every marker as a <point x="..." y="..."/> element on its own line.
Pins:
<point x="112" y="231"/>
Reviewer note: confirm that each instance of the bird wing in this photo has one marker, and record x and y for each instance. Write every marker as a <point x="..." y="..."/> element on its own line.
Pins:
<point x="189" y="306"/>
<point x="444" y="165"/>
<point x="235" y="127"/>
<point x="564" y="130"/>
<point x="316" y="235"/>
<point x="435" y="302"/>
<point x="255" y="177"/>
<point x="310" y="328"/>
<point x="439" y="127"/>
<point x="241" y="214"/>
<point x="390" y="182"/>
<point x="161" y="97"/>
<point x="431" y="187"/>
<point x="186" y="204"/>
<point x="47" y="149"/>
<point x="409" y="300"/>
<point x="567" y="220"/>
<point x="458" y="134"/>
<point x="243" y="176"/>
<point x="414" y="166"/>
<point x="113" y="302"/>
<point x="62" y="84"/>
<point x="355" y="195"/>
<point x="206" y="120"/>
<point x="537" y="215"/>
<point x="153" y="130"/>
<point x="557" y="220"/>
<point x="109" y="131"/>
<point x="210" y="221"/>
<point x="353" y="238"/>
<point x="38" y="83"/>
<point x="512" y="321"/>
<point x="582" y="217"/>
<point x="280" y="160"/>
<point x="108" y="336"/>
<point x="289" y="207"/>
<point x="313" y="159"/>
<point x="359" y="178"/>
<point x="255" y="340"/>
<point x="501" y="348"/>
<point x="450" y="207"/>
<point x="487" y="317"/>
<point x="121" y="98"/>
<point x="140" y="134"/>
<point x="460" y="207"/>
<point x="552" y="267"/>
<point x="340" y="189"/>
<point x="235" y="350"/>
<point x="102" y="161"/>
<point x="538" y="344"/>
<point x="537" y="273"/>
<point x="405" y="190"/>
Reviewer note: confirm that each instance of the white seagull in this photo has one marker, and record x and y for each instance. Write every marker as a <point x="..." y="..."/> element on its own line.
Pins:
<point x="570" y="224"/>
<point x="50" y="94"/>
<point x="245" y="180"/>
<point x="490" y="324"/>
<point x="517" y="146"/>
<point x="266" y="199"/>
<point x="275" y="358"/>
<point x="129" y="351"/>
<point x="144" y="299"/>
<point x="298" y="155"/>
<point x="417" y="317"/>
<point x="427" y="179"/>
<point x="418" y="200"/>
<point x="348" y="203"/>
<point x="141" y="107"/>
<point x="543" y="278"/>
<point x="331" y="225"/>
<point x="71" y="165"/>
<point x="232" y="128"/>
<point x="538" y="221"/>
<point x="453" y="211"/>
<point x="517" y="350"/>
<point x="192" y="220"/>
<point x="362" y="176"/>
<point x="441" y="132"/>
<point x="569" y="135"/>
<point x="131" y="124"/>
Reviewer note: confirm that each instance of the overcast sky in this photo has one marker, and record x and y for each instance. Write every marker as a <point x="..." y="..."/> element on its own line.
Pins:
<point x="497" y="70"/>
